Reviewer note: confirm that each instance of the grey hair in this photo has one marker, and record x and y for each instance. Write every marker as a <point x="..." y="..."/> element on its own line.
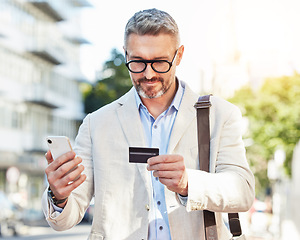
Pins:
<point x="152" y="22"/>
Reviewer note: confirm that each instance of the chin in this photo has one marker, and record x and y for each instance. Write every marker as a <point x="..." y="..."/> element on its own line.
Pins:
<point x="150" y="96"/>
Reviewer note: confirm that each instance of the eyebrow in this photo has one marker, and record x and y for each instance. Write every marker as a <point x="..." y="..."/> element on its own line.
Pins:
<point x="140" y="58"/>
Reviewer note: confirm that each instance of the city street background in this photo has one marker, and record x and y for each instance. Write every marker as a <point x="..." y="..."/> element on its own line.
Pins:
<point x="260" y="230"/>
<point x="43" y="232"/>
<point x="55" y="54"/>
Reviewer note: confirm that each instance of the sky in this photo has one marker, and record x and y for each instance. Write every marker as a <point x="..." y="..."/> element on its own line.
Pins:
<point x="265" y="33"/>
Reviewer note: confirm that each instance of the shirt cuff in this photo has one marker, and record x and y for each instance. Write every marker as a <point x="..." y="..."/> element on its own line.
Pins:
<point x="182" y="199"/>
<point x="56" y="208"/>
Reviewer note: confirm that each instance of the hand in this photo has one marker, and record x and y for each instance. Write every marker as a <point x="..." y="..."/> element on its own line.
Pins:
<point x="64" y="174"/>
<point x="170" y="169"/>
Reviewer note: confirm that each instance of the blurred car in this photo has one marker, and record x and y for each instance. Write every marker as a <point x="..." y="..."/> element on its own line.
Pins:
<point x="89" y="214"/>
<point x="10" y="216"/>
<point x="34" y="217"/>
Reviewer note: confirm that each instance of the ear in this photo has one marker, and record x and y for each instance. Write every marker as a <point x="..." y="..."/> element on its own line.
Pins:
<point x="179" y="55"/>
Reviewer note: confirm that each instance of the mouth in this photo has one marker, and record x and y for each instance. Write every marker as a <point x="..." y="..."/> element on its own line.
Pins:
<point x="149" y="81"/>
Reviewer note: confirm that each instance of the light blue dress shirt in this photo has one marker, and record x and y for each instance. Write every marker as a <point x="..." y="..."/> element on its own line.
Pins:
<point x="158" y="132"/>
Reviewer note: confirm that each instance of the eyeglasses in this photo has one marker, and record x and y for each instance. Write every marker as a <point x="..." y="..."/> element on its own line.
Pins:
<point x="159" y="66"/>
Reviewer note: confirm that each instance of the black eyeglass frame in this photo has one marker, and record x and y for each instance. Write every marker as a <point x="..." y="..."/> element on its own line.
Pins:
<point x="150" y="61"/>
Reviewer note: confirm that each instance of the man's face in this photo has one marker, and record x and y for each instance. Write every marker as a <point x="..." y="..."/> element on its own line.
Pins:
<point x="150" y="84"/>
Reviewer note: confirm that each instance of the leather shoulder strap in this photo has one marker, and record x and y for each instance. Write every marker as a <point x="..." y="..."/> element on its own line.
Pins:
<point x="203" y="129"/>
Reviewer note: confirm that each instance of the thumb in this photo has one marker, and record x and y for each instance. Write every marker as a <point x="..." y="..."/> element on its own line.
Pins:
<point x="48" y="157"/>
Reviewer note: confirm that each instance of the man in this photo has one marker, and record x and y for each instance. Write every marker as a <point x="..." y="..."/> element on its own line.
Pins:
<point x="163" y="199"/>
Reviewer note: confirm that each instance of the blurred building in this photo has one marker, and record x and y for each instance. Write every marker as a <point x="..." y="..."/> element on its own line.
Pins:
<point x="39" y="88"/>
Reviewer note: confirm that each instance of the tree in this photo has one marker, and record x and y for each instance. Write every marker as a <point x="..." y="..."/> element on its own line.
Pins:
<point x="273" y="113"/>
<point x="114" y="82"/>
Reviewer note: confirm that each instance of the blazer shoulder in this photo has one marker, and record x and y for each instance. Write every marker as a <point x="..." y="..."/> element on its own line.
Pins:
<point x="222" y="109"/>
<point x="111" y="107"/>
<point x="222" y="104"/>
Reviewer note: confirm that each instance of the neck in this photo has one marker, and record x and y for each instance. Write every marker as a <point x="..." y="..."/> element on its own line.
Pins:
<point x="157" y="106"/>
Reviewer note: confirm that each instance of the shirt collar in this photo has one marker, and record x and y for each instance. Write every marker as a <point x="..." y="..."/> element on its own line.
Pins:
<point x="176" y="100"/>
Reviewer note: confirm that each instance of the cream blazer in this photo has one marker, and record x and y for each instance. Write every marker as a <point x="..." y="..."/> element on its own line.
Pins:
<point x="122" y="190"/>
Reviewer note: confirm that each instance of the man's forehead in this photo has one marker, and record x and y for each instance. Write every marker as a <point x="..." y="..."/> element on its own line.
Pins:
<point x="136" y="36"/>
<point x="162" y="43"/>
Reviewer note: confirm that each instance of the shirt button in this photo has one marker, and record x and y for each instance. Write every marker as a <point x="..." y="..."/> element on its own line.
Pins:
<point x="161" y="228"/>
<point x="158" y="202"/>
<point x="156" y="178"/>
<point x="147" y="207"/>
<point x="155" y="126"/>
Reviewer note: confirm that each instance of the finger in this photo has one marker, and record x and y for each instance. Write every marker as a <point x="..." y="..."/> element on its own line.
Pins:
<point x="54" y="176"/>
<point x="73" y="175"/>
<point x="75" y="184"/>
<point x="171" y="184"/>
<point x="156" y="159"/>
<point x="168" y="174"/>
<point x="167" y="181"/>
<point x="164" y="159"/>
<point x="166" y="167"/>
<point x="48" y="157"/>
<point x="62" y="190"/>
<point x="61" y="160"/>
<point x="67" y="167"/>
<point x="179" y="185"/>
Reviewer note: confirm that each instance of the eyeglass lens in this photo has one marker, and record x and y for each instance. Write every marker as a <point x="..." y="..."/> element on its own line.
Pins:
<point x="139" y="66"/>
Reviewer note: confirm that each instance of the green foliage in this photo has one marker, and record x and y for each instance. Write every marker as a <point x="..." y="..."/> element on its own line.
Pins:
<point x="115" y="81"/>
<point x="273" y="113"/>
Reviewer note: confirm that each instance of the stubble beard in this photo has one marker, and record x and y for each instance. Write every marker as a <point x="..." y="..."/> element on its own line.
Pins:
<point x="150" y="92"/>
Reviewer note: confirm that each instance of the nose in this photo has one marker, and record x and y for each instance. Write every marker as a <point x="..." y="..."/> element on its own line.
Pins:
<point x="149" y="72"/>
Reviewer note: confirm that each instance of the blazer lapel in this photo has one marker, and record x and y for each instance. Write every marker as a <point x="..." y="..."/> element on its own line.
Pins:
<point x="130" y="120"/>
<point x="132" y="127"/>
<point x="186" y="114"/>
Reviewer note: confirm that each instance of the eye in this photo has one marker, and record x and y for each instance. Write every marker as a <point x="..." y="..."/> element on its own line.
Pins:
<point x="161" y="66"/>
<point x="136" y="66"/>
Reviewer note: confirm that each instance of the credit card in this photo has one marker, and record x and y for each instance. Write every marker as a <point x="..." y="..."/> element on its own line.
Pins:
<point x="141" y="154"/>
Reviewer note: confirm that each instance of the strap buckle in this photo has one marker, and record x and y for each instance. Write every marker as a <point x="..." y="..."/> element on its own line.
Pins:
<point x="203" y="102"/>
<point x="234" y="224"/>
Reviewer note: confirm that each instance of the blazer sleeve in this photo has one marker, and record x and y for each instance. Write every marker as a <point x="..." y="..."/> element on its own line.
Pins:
<point x="80" y="198"/>
<point x="229" y="187"/>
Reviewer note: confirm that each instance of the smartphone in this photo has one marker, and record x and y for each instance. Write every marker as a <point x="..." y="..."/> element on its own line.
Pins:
<point x="58" y="145"/>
